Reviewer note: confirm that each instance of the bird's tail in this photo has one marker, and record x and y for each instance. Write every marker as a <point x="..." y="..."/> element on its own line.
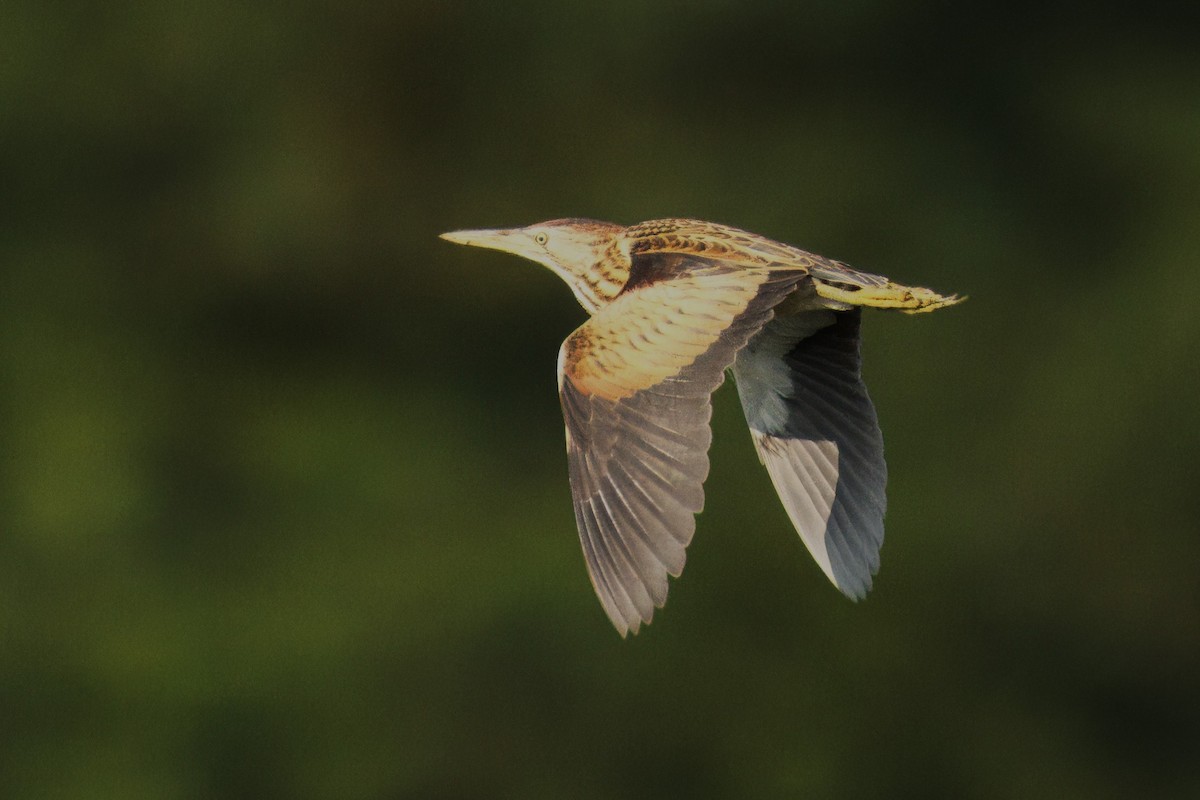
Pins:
<point x="909" y="299"/>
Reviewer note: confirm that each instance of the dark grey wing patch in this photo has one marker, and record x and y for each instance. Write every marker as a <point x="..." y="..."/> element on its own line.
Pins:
<point x="815" y="430"/>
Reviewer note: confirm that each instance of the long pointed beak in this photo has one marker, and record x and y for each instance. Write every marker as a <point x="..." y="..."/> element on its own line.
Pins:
<point x="507" y="240"/>
<point x="498" y="239"/>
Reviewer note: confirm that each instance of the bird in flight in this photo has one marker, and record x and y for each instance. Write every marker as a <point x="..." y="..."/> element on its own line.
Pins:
<point x="673" y="304"/>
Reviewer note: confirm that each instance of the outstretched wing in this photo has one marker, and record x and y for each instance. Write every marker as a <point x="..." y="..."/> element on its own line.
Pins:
<point x="635" y="382"/>
<point x="815" y="430"/>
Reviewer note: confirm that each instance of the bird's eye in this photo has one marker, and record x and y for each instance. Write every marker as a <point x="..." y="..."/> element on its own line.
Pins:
<point x="541" y="238"/>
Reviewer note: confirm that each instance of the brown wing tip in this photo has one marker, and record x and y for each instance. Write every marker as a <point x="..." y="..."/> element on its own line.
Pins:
<point x="628" y="628"/>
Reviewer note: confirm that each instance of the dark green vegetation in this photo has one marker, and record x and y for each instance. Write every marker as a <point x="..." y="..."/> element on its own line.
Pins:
<point x="283" y="497"/>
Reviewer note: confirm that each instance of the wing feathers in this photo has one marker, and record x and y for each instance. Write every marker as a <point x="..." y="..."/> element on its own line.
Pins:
<point x="657" y="540"/>
<point x="816" y="432"/>
<point x="635" y="383"/>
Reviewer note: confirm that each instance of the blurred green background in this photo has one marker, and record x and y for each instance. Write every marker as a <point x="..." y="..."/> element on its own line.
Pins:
<point x="283" y="497"/>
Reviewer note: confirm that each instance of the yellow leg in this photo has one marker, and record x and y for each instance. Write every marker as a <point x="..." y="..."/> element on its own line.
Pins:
<point x="909" y="299"/>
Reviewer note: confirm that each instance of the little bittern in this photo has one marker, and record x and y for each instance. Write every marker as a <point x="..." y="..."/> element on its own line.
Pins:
<point x="673" y="304"/>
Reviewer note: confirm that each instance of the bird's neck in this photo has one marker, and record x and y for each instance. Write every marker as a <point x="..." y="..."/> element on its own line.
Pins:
<point x="599" y="283"/>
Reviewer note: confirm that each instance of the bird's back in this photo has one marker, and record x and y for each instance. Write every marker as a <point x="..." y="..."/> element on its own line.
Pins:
<point x="734" y="245"/>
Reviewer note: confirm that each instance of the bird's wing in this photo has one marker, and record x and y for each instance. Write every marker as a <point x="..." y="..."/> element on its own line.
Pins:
<point x="815" y="430"/>
<point x="635" y="382"/>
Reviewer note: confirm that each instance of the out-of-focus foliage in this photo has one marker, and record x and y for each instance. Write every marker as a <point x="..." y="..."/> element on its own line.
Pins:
<point x="283" y="501"/>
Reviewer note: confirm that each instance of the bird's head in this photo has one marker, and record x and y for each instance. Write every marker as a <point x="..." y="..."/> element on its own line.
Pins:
<point x="571" y="248"/>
